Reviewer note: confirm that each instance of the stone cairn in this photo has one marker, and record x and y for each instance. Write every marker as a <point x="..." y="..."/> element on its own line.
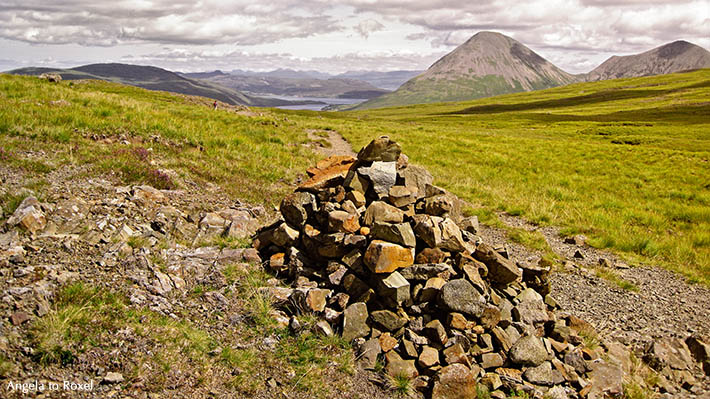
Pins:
<point x="387" y="260"/>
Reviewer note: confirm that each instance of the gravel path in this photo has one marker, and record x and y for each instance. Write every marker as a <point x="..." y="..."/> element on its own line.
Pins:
<point x="664" y="305"/>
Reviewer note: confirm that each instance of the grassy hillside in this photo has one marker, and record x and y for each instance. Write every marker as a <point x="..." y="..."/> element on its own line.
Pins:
<point x="153" y="78"/>
<point x="626" y="162"/>
<point x="116" y="127"/>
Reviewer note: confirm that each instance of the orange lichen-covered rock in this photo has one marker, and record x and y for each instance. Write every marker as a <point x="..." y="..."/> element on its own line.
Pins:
<point x="386" y="257"/>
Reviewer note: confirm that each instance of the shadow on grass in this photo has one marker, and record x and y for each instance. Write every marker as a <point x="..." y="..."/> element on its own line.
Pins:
<point x="686" y="115"/>
<point x="594" y="98"/>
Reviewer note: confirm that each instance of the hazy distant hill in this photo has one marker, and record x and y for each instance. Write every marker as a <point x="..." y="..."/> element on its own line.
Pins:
<point x="488" y="64"/>
<point x="285" y="74"/>
<point x="669" y="58"/>
<point x="390" y="80"/>
<point x="154" y="78"/>
<point x="296" y="87"/>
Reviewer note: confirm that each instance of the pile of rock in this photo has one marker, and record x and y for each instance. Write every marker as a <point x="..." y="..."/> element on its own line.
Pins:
<point x="390" y="263"/>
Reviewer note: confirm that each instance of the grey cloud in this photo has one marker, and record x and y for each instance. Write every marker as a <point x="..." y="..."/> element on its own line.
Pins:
<point x="592" y="30"/>
<point x="594" y="25"/>
<point x="162" y="21"/>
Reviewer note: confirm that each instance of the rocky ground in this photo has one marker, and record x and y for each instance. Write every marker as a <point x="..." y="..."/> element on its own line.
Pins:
<point x="177" y="260"/>
<point x="173" y="256"/>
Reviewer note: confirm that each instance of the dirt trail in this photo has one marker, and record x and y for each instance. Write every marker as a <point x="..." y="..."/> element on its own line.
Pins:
<point x="328" y="142"/>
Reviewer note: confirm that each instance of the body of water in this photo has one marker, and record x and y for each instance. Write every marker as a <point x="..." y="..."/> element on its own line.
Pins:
<point x="317" y="107"/>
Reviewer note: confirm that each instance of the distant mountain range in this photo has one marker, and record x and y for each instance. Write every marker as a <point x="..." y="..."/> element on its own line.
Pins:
<point x="292" y="86"/>
<point x="289" y="82"/>
<point x="490" y="64"/>
<point x="153" y="78"/>
<point x="284" y="73"/>
<point x="669" y="58"/>
<point x="389" y="80"/>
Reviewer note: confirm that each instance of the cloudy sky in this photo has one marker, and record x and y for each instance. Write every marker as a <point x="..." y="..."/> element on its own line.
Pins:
<point x="332" y="36"/>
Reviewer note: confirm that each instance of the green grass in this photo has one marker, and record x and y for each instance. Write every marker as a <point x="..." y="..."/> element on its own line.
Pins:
<point x="308" y="356"/>
<point x="401" y="386"/>
<point x="85" y="318"/>
<point x="625" y="162"/>
<point x="9" y="202"/>
<point x="140" y="135"/>
<point x="518" y="394"/>
<point x="6" y="366"/>
<point x="531" y="239"/>
<point x="614" y="278"/>
<point x="590" y="338"/>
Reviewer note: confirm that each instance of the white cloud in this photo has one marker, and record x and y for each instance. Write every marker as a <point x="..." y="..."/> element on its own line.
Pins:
<point x="575" y="34"/>
<point x="185" y="60"/>
<point x="368" y="26"/>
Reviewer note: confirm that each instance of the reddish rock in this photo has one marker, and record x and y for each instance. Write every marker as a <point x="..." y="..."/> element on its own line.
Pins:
<point x="458" y="321"/>
<point x="398" y="367"/>
<point x="429" y="357"/>
<point x="328" y="172"/>
<point x="500" y="269"/>
<point x="18" y="318"/>
<point x="431" y="255"/>
<point x="387" y="342"/>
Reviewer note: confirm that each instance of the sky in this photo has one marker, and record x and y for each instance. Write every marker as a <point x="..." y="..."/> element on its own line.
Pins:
<point x="332" y="36"/>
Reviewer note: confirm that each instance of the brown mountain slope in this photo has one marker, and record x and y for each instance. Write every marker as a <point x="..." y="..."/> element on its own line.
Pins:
<point x="488" y="64"/>
<point x="669" y="58"/>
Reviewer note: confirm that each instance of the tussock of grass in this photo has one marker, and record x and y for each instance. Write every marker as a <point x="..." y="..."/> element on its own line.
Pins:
<point x="590" y="338"/>
<point x="482" y="392"/>
<point x="531" y="239"/>
<point x="401" y="385"/>
<point x="613" y="277"/>
<point x="60" y="335"/>
<point x="10" y="202"/>
<point x="137" y="242"/>
<point x="640" y="381"/>
<point x="6" y="366"/>
<point x="310" y="355"/>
